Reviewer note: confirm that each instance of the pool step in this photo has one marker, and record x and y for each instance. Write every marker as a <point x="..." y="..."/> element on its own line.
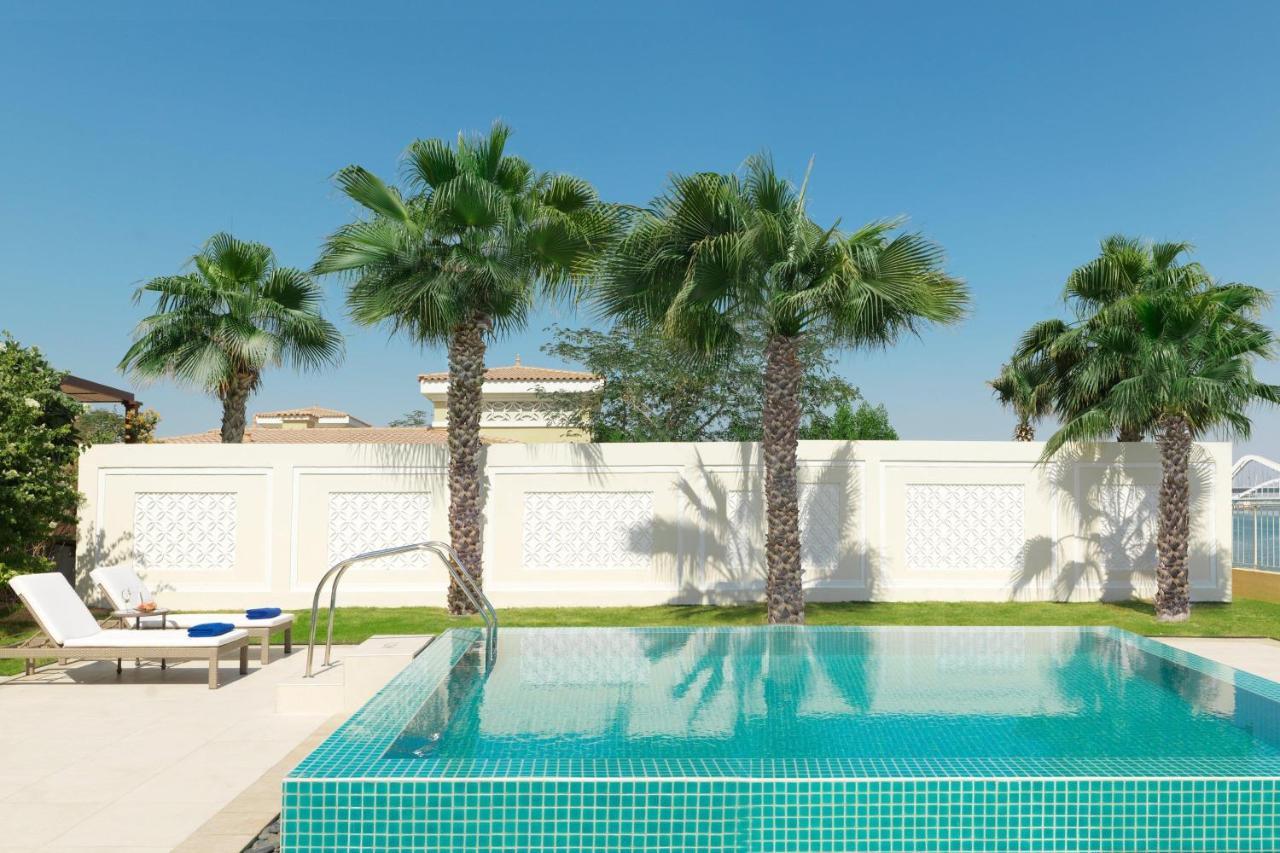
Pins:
<point x="351" y="681"/>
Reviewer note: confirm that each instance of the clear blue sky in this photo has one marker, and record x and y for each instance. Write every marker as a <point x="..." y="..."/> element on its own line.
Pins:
<point x="1016" y="134"/>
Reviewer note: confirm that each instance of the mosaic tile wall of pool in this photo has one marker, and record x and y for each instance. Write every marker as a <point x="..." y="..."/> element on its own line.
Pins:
<point x="936" y="740"/>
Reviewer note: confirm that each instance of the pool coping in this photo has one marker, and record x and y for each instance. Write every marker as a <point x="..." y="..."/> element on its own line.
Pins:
<point x="354" y="753"/>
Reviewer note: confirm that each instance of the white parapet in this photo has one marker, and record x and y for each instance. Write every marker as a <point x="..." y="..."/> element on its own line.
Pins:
<point x="222" y="526"/>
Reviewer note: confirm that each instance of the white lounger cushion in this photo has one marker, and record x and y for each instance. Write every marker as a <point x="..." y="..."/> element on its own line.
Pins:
<point x="123" y="638"/>
<point x="114" y="580"/>
<point x="71" y="625"/>
<point x="56" y="606"/>
<point x="186" y="620"/>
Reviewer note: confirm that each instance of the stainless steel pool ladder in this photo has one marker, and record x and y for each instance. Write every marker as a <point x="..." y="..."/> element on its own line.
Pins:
<point x="456" y="571"/>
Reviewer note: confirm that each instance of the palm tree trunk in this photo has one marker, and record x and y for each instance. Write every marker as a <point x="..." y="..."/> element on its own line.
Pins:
<point x="1024" y="431"/>
<point x="1129" y="434"/>
<point x="783" y="375"/>
<point x="466" y="376"/>
<point x="1173" y="587"/>
<point x="235" y="400"/>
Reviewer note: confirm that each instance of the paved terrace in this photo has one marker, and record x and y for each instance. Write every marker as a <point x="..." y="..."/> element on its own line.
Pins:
<point x="89" y="762"/>
<point x="156" y="761"/>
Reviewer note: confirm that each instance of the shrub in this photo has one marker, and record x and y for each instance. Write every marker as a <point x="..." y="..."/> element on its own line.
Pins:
<point x="39" y="446"/>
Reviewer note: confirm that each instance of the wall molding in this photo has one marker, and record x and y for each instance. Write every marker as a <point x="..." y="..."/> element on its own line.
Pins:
<point x="106" y="472"/>
<point x="856" y="549"/>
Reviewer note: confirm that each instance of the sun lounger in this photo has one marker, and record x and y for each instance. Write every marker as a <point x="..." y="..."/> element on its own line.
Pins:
<point x="114" y="580"/>
<point x="72" y="632"/>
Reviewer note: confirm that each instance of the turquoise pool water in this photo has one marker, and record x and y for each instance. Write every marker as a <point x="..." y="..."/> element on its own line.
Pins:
<point x="937" y="740"/>
<point x="924" y="695"/>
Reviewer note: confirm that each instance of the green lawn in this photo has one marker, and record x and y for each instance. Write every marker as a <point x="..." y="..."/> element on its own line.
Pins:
<point x="13" y="631"/>
<point x="1241" y="618"/>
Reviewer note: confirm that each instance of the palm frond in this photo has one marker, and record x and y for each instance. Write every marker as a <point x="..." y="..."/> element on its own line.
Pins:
<point x="236" y="314"/>
<point x="367" y="190"/>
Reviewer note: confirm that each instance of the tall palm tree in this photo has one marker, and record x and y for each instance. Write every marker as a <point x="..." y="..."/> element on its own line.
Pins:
<point x="1024" y="386"/>
<point x="1192" y="351"/>
<point x="454" y="259"/>
<point x="719" y="254"/>
<point x="1097" y="293"/>
<point x="221" y="325"/>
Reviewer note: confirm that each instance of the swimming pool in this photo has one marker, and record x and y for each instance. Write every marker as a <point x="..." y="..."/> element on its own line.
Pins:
<point x="813" y="739"/>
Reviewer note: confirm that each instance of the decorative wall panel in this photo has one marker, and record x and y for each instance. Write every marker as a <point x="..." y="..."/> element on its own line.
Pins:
<point x="514" y="413"/>
<point x="588" y="530"/>
<point x="1126" y="525"/>
<point x="964" y="527"/>
<point x="741" y="538"/>
<point x="825" y="520"/>
<point x="367" y="521"/>
<point x="185" y="531"/>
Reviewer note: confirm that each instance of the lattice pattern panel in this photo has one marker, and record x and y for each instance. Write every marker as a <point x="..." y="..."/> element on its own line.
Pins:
<point x="588" y="530"/>
<point x="742" y="536"/>
<point x="825" y="520"/>
<point x="517" y="412"/>
<point x="367" y="521"/>
<point x="1127" y="519"/>
<point x="185" y="531"/>
<point x="964" y="527"/>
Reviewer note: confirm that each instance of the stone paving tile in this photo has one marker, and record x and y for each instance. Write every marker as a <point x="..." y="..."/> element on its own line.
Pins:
<point x="89" y="762"/>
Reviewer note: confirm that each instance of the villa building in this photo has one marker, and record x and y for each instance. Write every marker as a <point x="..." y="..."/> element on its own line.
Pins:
<point x="515" y="409"/>
<point x="514" y="404"/>
<point x="316" y="425"/>
<point x="310" y="417"/>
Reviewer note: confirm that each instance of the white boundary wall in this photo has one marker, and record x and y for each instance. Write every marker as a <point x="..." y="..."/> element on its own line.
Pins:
<point x="620" y="524"/>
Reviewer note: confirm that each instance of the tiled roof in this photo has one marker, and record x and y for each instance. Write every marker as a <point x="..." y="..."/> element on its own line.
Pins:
<point x="520" y="373"/>
<point x="314" y="411"/>
<point x="355" y="435"/>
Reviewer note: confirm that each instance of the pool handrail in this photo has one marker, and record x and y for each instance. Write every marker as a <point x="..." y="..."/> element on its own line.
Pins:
<point x="452" y="563"/>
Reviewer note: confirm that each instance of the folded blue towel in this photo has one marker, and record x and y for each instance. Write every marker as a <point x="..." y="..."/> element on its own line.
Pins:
<point x="210" y="629"/>
<point x="262" y="613"/>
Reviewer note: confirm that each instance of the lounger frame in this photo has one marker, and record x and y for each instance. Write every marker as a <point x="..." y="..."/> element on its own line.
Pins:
<point x="43" y="647"/>
<point x="260" y="633"/>
<point x="263" y="636"/>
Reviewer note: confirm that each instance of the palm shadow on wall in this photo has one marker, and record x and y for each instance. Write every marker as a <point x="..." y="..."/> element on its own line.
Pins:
<point x="1117" y="529"/>
<point x="95" y="552"/>
<point x="432" y="460"/>
<point x="715" y="545"/>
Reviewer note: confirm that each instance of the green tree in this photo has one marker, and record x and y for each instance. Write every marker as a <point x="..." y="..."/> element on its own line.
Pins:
<point x="455" y="260"/>
<point x="865" y="423"/>
<point x="654" y="391"/>
<point x="1190" y="351"/>
<point x="104" y="426"/>
<point x="718" y="254"/>
<point x="1080" y="372"/>
<point x="39" y="447"/>
<point x="100" y="426"/>
<point x="1025" y="385"/>
<point x="415" y="418"/>
<point x="236" y="314"/>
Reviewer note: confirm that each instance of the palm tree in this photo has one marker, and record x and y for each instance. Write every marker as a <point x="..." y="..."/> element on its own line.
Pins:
<point x="718" y="255"/>
<point x="1080" y="372"/>
<point x="1024" y="386"/>
<point x="221" y="325"/>
<point x="1192" y="351"/>
<point x="453" y="260"/>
